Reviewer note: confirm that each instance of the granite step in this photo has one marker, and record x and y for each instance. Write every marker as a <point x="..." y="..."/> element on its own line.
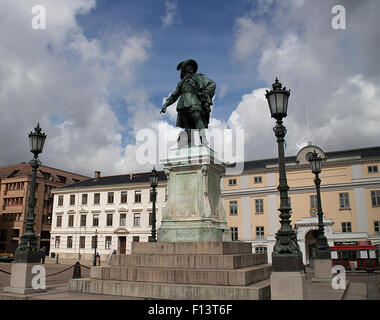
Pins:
<point x="189" y="261"/>
<point x="237" y="277"/>
<point x="170" y="291"/>
<point x="232" y="247"/>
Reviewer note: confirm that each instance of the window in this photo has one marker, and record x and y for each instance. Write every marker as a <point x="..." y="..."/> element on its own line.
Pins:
<point x="57" y="241"/>
<point x="260" y="249"/>
<point x="136" y="239"/>
<point x="375" y="197"/>
<point x="72" y="199"/>
<point x="234" y="233"/>
<point x="84" y="198"/>
<point x="372" y="169"/>
<point x="109" y="219"/>
<point x="136" y="219"/>
<point x="258" y="179"/>
<point x="60" y="200"/>
<point x="260" y="233"/>
<point x="94" y="242"/>
<point x="59" y="221"/>
<point x="46" y="175"/>
<point x="110" y="197"/>
<point x="3" y="235"/>
<point x="232" y="182"/>
<point x="83" y="220"/>
<point x="233" y="208"/>
<point x="346" y="227"/>
<point x="69" y="242"/>
<point x="376" y="226"/>
<point x="313" y="201"/>
<point x="138" y="196"/>
<point x="95" y="220"/>
<point x="96" y="198"/>
<point x="344" y="202"/>
<point x="259" y="204"/>
<point x="108" y="242"/>
<point x="123" y="219"/>
<point x="82" y="242"/>
<point x="61" y="179"/>
<point x="71" y="220"/>
<point x="166" y="194"/>
<point x="123" y="197"/>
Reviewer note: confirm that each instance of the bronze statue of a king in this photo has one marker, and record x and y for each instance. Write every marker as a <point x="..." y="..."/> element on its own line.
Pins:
<point x="195" y="92"/>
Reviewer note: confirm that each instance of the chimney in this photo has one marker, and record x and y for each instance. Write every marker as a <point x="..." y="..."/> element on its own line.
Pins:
<point x="131" y="176"/>
<point x="97" y="174"/>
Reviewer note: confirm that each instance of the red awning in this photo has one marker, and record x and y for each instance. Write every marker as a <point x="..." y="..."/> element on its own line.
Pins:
<point x="354" y="248"/>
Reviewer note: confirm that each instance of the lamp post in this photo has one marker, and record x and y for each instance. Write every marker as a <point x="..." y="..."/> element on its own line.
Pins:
<point x="286" y="255"/>
<point x="153" y="183"/>
<point x="321" y="249"/>
<point x="95" y="246"/>
<point x="28" y="251"/>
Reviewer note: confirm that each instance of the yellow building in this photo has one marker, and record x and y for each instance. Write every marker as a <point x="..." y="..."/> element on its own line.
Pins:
<point x="350" y="193"/>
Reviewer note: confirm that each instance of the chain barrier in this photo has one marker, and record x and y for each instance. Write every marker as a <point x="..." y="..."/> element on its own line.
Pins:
<point x="85" y="266"/>
<point x="53" y="274"/>
<point x="6" y="272"/>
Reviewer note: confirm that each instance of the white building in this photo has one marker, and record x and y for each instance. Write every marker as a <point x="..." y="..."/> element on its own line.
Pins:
<point x="114" y="209"/>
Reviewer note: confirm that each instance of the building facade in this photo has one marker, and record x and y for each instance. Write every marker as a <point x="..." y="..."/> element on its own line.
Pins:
<point x="350" y="194"/>
<point x="104" y="214"/>
<point x="15" y="181"/>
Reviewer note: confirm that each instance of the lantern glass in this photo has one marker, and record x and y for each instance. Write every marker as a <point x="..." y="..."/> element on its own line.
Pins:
<point x="316" y="163"/>
<point x="153" y="178"/>
<point x="278" y="100"/>
<point x="37" y="140"/>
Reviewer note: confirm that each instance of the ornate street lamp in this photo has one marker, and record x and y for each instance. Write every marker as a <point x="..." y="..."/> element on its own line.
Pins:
<point x="95" y="246"/>
<point x="321" y="249"/>
<point x="286" y="255"/>
<point x="28" y="251"/>
<point x="153" y="183"/>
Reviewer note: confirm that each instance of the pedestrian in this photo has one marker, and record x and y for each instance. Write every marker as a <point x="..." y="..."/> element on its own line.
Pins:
<point x="43" y="254"/>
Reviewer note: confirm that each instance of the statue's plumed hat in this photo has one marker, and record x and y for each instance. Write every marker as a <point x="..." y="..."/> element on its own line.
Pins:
<point x="183" y="64"/>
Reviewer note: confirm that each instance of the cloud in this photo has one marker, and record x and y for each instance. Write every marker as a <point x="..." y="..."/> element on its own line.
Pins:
<point x="170" y="14"/>
<point x="334" y="72"/>
<point x="62" y="79"/>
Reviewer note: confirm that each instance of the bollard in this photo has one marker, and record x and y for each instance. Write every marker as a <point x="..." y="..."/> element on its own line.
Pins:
<point x="76" y="273"/>
<point x="98" y="259"/>
<point x="57" y="258"/>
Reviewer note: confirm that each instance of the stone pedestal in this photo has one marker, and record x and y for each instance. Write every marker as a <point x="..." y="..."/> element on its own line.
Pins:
<point x="194" y="210"/>
<point x="182" y="271"/>
<point x="322" y="270"/>
<point x="288" y="285"/>
<point x="21" y="278"/>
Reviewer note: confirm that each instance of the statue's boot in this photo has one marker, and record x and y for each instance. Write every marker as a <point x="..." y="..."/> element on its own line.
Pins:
<point x="202" y="135"/>
<point x="188" y="132"/>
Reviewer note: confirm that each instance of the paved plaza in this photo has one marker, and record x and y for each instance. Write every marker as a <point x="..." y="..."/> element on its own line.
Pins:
<point x="362" y="286"/>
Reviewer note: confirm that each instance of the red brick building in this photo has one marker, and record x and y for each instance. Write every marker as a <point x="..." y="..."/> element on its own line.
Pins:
<point x="15" y="181"/>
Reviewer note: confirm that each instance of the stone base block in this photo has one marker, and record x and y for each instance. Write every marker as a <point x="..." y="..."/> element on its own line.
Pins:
<point x="258" y="291"/>
<point x="21" y="279"/>
<point x="238" y="277"/>
<point x="192" y="231"/>
<point x="288" y="286"/>
<point x="189" y="261"/>
<point x="213" y="247"/>
<point x="322" y="270"/>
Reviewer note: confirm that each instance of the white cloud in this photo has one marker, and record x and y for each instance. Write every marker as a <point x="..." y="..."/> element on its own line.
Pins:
<point x="334" y="72"/>
<point x="170" y="13"/>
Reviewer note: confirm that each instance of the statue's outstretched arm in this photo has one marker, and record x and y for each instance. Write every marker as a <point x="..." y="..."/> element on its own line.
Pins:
<point x="172" y="98"/>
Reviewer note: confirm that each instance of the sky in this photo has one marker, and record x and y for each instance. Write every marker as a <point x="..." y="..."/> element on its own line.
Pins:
<point x="96" y="76"/>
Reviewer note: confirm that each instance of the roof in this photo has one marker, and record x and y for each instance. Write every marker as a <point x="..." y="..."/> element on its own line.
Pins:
<point x="24" y="169"/>
<point x="363" y="153"/>
<point x="142" y="177"/>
